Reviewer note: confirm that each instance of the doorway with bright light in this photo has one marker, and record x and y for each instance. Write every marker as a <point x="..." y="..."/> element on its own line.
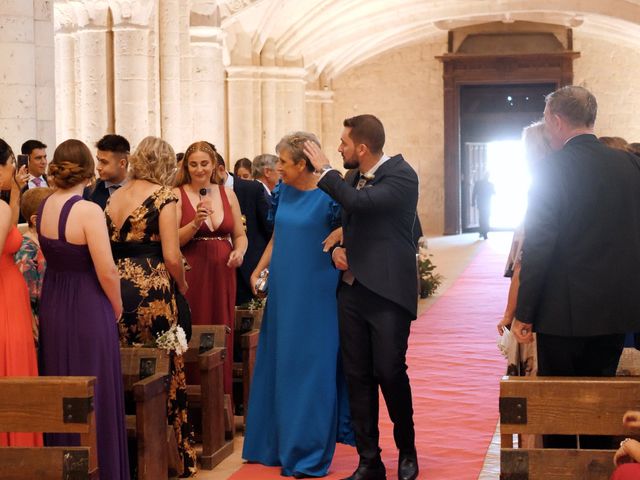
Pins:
<point x="491" y="121"/>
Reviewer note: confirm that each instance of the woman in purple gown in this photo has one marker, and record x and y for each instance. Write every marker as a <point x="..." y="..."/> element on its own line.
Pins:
<point x="81" y="301"/>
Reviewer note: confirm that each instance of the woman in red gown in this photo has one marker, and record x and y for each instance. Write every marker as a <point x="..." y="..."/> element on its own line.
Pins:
<point x="213" y="241"/>
<point x="17" y="347"/>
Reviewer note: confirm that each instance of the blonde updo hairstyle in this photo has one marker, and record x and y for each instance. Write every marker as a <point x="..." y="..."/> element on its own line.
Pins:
<point x="154" y="161"/>
<point x="294" y="144"/>
<point x="201" y="146"/>
<point x="72" y="164"/>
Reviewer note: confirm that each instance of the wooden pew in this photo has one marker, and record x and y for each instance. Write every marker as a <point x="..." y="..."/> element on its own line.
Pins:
<point x="145" y="374"/>
<point x="247" y="330"/>
<point x="207" y="349"/>
<point x="54" y="405"/>
<point x="564" y="406"/>
<point x="629" y="363"/>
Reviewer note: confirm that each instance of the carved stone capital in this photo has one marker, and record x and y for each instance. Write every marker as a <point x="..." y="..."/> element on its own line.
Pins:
<point x="132" y="12"/>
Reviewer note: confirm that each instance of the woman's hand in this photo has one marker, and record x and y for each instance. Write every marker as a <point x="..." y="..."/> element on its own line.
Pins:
<point x="253" y="279"/>
<point x="627" y="452"/>
<point x="202" y="212"/>
<point x="334" y="238"/>
<point x="505" y="322"/>
<point x="631" y="419"/>
<point x="117" y="310"/>
<point x="235" y="259"/>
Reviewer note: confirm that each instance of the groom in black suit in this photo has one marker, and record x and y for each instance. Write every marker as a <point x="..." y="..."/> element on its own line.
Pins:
<point x="377" y="294"/>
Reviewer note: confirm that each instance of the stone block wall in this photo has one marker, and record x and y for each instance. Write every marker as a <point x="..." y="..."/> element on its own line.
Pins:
<point x="404" y="89"/>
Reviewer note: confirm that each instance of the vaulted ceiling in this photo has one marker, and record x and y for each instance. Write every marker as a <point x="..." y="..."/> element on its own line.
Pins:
<point x="331" y="36"/>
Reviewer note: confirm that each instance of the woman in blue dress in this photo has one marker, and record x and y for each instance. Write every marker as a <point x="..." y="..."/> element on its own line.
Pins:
<point x="298" y="406"/>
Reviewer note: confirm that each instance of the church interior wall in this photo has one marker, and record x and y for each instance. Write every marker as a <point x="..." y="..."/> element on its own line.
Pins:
<point x="404" y="89"/>
<point x="609" y="70"/>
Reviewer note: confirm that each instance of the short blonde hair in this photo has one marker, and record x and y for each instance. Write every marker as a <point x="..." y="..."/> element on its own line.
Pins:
<point x="154" y="161"/>
<point x="535" y="143"/>
<point x="294" y="144"/>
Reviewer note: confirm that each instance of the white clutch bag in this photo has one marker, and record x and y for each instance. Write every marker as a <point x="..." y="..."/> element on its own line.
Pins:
<point x="508" y="346"/>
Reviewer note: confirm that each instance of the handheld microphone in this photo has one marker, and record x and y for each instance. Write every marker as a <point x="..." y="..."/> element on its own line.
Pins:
<point x="203" y="192"/>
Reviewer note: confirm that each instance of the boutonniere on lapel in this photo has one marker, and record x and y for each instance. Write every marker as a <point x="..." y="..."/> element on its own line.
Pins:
<point x="364" y="180"/>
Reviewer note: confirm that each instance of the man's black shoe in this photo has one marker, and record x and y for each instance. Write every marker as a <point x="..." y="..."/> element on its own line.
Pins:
<point x="364" y="472"/>
<point x="407" y="467"/>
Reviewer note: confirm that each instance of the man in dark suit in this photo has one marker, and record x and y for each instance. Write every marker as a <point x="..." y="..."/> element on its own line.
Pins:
<point x="580" y="270"/>
<point x="112" y="163"/>
<point x="255" y="212"/>
<point x="377" y="293"/>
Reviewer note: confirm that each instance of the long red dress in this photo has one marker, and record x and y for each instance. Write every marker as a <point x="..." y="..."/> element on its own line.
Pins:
<point x="17" y="348"/>
<point x="212" y="285"/>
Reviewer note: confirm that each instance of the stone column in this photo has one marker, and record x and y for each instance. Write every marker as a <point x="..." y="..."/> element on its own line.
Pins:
<point x="315" y="106"/>
<point x="27" y="83"/>
<point x="65" y="48"/>
<point x="207" y="80"/>
<point x="131" y="60"/>
<point x="45" y="72"/>
<point x="170" y="72"/>
<point x="283" y="103"/>
<point x="245" y="112"/>
<point x="91" y="52"/>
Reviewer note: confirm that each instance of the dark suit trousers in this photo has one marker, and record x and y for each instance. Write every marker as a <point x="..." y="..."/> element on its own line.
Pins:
<point x="373" y="341"/>
<point x="595" y="356"/>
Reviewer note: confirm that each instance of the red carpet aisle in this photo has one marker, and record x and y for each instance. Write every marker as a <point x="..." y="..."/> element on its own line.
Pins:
<point x="454" y="367"/>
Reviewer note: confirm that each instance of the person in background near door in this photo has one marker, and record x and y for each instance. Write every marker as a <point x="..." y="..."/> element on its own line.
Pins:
<point x="243" y="169"/>
<point x="264" y="171"/>
<point x="483" y="190"/>
<point x="112" y="157"/>
<point x="37" y="166"/>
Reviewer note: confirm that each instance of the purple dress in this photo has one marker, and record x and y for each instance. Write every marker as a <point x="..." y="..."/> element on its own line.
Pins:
<point x="79" y="336"/>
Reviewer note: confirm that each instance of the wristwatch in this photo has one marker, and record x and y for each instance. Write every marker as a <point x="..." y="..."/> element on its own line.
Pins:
<point x="324" y="168"/>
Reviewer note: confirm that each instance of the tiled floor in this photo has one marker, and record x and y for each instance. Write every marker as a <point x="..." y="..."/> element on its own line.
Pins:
<point x="450" y="255"/>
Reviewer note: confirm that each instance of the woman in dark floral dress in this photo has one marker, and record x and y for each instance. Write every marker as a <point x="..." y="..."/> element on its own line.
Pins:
<point x="141" y="217"/>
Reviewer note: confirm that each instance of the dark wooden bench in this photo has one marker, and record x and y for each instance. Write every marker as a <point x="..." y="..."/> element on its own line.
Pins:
<point x="207" y="349"/>
<point x="563" y="406"/>
<point x="247" y="331"/>
<point x="145" y="374"/>
<point x="53" y="405"/>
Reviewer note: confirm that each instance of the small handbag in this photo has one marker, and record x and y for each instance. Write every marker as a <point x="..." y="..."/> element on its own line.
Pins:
<point x="262" y="284"/>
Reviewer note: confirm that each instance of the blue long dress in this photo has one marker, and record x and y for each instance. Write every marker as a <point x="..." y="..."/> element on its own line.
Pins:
<point x="298" y="405"/>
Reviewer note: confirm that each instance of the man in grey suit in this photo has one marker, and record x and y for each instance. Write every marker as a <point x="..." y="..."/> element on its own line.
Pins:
<point x="580" y="269"/>
<point x="377" y="294"/>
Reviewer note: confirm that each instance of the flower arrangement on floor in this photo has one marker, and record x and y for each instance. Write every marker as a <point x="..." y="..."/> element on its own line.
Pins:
<point x="429" y="279"/>
<point x="173" y="339"/>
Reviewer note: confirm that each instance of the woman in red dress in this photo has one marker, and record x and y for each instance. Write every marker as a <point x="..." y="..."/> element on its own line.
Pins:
<point x="17" y="348"/>
<point x="213" y="241"/>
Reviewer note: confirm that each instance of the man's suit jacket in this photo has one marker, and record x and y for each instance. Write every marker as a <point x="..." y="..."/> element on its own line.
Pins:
<point x="580" y="273"/>
<point x="98" y="194"/>
<point x="378" y="225"/>
<point x="255" y="207"/>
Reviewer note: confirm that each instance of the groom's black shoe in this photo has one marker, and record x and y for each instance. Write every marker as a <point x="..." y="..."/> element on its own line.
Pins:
<point x="408" y="466"/>
<point x="364" y="472"/>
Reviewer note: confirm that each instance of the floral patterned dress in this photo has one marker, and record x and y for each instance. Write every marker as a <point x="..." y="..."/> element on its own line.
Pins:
<point x="32" y="264"/>
<point x="148" y="297"/>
